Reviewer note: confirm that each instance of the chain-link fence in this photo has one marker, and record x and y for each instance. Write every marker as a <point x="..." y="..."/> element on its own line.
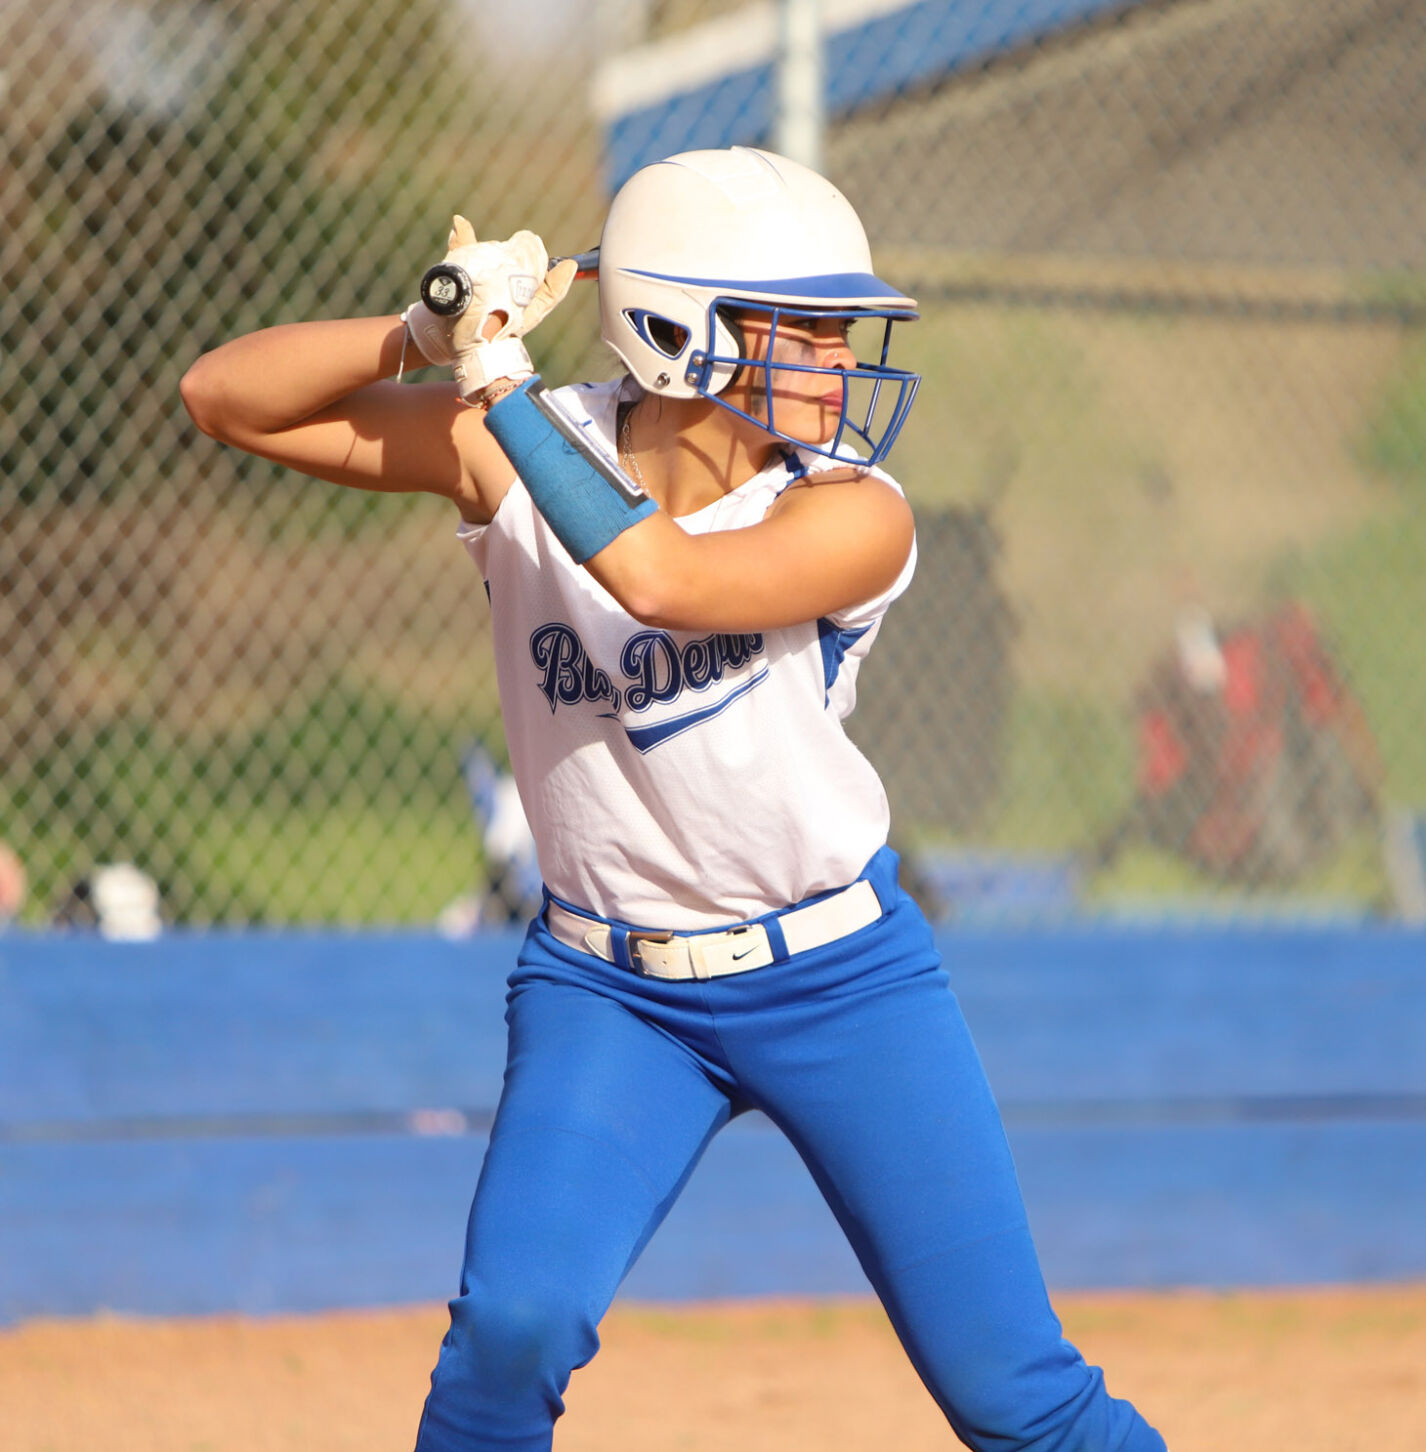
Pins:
<point x="1168" y="639"/>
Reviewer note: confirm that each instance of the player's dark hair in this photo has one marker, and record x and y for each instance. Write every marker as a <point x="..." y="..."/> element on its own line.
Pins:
<point x="731" y="319"/>
<point x="667" y="336"/>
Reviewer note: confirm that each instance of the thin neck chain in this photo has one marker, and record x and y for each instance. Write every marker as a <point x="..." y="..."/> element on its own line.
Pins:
<point x="626" y="450"/>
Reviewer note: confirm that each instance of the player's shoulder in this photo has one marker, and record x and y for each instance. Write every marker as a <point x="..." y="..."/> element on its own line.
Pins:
<point x="807" y="469"/>
<point x="851" y="483"/>
<point x="865" y="502"/>
<point x="866" y="499"/>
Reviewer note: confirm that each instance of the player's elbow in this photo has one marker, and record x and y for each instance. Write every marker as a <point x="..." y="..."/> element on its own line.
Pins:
<point x="664" y="578"/>
<point x="649" y="582"/>
<point x="201" y="390"/>
<point x="661" y="602"/>
<point x="651" y="603"/>
<point x="214" y="398"/>
<point x="678" y="592"/>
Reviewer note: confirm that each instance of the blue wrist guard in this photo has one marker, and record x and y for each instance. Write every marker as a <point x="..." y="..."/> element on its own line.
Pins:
<point x="583" y="496"/>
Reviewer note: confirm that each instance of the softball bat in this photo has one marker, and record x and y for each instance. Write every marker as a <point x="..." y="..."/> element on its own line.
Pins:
<point x="446" y="288"/>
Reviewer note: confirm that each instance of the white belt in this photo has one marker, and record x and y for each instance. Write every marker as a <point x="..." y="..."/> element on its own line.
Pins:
<point x="733" y="950"/>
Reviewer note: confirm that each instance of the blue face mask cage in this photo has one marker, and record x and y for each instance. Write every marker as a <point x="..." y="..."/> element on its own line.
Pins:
<point x="890" y="395"/>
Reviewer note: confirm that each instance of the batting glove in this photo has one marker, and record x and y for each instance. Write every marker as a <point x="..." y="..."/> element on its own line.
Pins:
<point x="511" y="292"/>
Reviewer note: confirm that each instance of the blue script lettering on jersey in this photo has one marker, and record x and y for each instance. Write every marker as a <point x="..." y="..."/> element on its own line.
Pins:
<point x="658" y="668"/>
<point x="568" y="673"/>
<point x="661" y="669"/>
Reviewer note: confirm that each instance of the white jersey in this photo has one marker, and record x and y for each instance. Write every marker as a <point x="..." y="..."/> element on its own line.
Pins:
<point x="676" y="780"/>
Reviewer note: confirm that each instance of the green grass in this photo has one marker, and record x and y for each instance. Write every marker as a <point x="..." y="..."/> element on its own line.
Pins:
<point x="297" y="821"/>
<point x="344" y="861"/>
<point x="349" y="861"/>
<point x="1351" y="880"/>
<point x="1369" y="590"/>
<point x="1069" y="773"/>
<point x="1394" y="440"/>
<point x="1007" y="393"/>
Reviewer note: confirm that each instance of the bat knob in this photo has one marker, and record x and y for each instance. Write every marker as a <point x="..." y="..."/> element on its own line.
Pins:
<point x="446" y="290"/>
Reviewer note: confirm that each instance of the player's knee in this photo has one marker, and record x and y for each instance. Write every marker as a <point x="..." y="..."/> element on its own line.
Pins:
<point x="532" y="1338"/>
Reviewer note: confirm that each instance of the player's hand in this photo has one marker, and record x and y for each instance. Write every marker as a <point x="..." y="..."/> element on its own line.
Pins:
<point x="512" y="290"/>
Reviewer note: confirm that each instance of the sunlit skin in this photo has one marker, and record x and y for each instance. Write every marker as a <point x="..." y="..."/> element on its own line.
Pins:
<point x="691" y="451"/>
<point x="319" y="398"/>
<point x="806" y="406"/>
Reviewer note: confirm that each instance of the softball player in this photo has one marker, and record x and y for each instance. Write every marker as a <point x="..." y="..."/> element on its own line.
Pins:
<point x="677" y="641"/>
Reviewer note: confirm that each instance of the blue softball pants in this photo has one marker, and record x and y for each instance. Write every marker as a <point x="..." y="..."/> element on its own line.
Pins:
<point x="616" y="1083"/>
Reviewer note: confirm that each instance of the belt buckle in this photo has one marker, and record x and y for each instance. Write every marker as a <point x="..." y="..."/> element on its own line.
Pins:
<point x="636" y="940"/>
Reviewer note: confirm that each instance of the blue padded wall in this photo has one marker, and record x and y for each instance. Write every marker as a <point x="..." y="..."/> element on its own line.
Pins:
<point x="271" y="1122"/>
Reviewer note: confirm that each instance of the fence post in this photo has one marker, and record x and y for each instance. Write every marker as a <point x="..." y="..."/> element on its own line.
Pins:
<point x="800" y="112"/>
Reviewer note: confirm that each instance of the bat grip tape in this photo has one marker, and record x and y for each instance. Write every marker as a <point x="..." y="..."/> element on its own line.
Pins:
<point x="586" y="500"/>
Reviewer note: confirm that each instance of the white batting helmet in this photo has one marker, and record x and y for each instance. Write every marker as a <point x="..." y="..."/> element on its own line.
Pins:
<point x="693" y="241"/>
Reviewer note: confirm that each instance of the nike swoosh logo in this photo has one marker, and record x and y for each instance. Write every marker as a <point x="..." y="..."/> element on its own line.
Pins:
<point x="745" y="952"/>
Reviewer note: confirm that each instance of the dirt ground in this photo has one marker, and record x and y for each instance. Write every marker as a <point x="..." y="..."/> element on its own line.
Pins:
<point x="1328" y="1370"/>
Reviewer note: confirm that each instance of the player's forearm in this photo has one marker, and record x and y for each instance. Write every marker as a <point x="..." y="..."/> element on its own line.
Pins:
<point x="655" y="572"/>
<point x="267" y="381"/>
<point x="727" y="580"/>
<point x="822" y="553"/>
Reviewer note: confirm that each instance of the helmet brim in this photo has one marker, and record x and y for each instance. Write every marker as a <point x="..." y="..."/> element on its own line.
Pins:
<point x="849" y="290"/>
